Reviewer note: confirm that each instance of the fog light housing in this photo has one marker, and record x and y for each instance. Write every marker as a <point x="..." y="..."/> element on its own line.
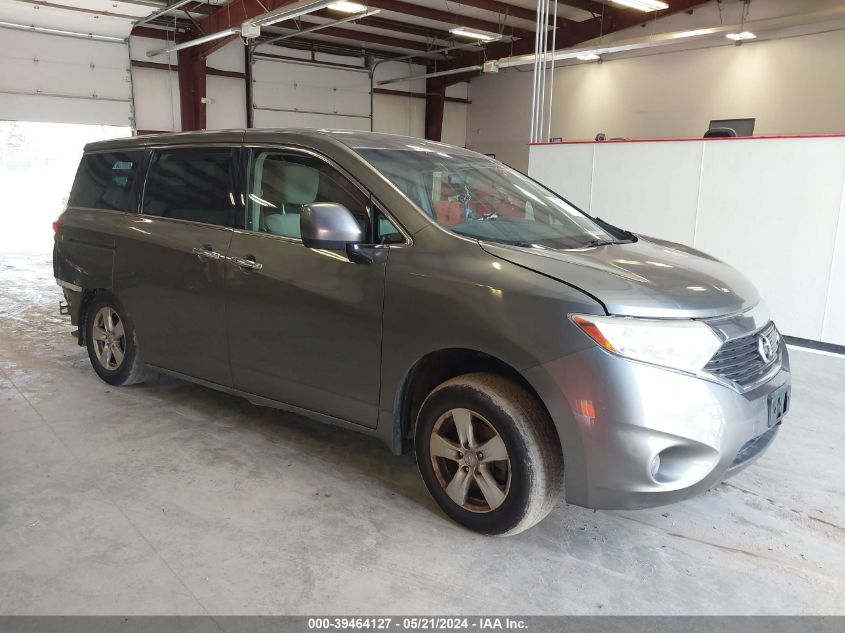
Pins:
<point x="683" y="465"/>
<point x="654" y="467"/>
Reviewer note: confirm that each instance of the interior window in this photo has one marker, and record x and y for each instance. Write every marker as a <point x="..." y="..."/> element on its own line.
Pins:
<point x="387" y="233"/>
<point x="193" y="184"/>
<point x="105" y="181"/>
<point x="282" y="183"/>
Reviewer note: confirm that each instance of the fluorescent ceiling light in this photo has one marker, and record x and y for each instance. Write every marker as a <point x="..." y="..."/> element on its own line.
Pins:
<point x="589" y="57"/>
<point x="483" y="36"/>
<point x="289" y="12"/>
<point x="738" y="37"/>
<point x="643" y="5"/>
<point x="200" y="40"/>
<point x="347" y="7"/>
<point x="695" y="33"/>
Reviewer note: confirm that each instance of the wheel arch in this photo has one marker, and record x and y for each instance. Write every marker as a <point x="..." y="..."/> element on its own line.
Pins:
<point x="88" y="297"/>
<point x="436" y="367"/>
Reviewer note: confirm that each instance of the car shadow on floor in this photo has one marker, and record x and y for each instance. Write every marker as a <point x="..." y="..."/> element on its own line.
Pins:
<point x="341" y="447"/>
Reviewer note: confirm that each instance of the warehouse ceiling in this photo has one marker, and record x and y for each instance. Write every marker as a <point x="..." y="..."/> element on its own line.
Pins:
<point x="401" y="27"/>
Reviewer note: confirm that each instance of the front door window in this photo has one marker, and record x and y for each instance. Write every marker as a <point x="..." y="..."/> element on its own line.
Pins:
<point x="282" y="183"/>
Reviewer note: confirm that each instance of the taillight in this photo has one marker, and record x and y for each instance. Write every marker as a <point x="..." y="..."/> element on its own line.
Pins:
<point x="57" y="226"/>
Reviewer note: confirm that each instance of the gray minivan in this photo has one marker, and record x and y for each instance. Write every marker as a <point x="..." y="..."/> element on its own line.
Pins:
<point x="429" y="296"/>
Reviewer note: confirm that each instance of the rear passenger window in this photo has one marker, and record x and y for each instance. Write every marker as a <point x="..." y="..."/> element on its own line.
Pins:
<point x="197" y="185"/>
<point x="105" y="181"/>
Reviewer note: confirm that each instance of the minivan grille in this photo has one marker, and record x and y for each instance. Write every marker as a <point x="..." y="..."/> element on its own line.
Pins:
<point x="739" y="360"/>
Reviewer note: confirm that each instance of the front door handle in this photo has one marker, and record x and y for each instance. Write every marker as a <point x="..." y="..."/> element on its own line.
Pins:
<point x="245" y="262"/>
<point x="205" y="252"/>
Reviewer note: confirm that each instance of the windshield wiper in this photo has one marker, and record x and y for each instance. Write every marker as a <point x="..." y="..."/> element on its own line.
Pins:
<point x="604" y="242"/>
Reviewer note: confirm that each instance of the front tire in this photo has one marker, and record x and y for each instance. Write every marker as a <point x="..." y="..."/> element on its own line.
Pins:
<point x="112" y="343"/>
<point x="489" y="454"/>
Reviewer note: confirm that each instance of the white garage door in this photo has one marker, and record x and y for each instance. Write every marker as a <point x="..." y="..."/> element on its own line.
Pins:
<point x="63" y="79"/>
<point x="290" y="94"/>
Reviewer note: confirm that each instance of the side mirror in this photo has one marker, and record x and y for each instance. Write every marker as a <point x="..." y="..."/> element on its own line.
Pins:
<point x="329" y="226"/>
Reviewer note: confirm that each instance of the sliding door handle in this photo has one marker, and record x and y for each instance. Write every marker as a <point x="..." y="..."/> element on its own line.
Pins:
<point x="205" y="252"/>
<point x="247" y="263"/>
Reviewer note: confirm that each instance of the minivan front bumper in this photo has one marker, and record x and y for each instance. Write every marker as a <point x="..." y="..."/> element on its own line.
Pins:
<point x="635" y="435"/>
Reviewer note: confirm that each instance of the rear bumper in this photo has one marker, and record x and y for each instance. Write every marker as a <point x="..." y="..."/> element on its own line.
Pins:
<point x="73" y="296"/>
<point x="615" y="416"/>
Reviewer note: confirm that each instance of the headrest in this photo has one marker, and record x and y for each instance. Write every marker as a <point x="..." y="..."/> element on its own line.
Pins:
<point x="299" y="183"/>
<point x="286" y="224"/>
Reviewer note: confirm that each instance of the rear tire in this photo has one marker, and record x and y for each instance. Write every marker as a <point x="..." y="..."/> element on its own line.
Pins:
<point x="489" y="454"/>
<point x="112" y="343"/>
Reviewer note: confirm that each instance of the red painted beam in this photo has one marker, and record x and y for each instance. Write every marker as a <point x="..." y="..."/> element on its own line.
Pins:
<point x="233" y="15"/>
<point x="427" y="13"/>
<point x="503" y="8"/>
<point x="371" y="38"/>
<point x="156" y="34"/>
<point x="416" y="95"/>
<point x="236" y="13"/>
<point x="596" y="8"/>
<point x="192" y="85"/>
<point x="435" y="100"/>
<point x="378" y="22"/>
<point x="216" y="72"/>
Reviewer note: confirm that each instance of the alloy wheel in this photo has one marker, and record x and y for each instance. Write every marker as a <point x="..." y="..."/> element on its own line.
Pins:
<point x="470" y="460"/>
<point x="109" y="338"/>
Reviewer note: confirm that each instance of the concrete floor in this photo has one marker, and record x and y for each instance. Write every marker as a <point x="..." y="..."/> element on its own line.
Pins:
<point x="173" y="498"/>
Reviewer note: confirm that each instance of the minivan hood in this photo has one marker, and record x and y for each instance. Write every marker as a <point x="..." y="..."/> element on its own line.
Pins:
<point x="645" y="278"/>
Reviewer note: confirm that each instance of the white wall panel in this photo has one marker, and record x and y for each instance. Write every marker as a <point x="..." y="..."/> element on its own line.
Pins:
<point x="395" y="70"/>
<point x="70" y="80"/>
<point x="229" y="57"/>
<point x="226" y="108"/>
<point x="772" y="208"/>
<point x="833" y="328"/>
<point x="461" y="90"/>
<point x="157" y="100"/>
<point x="156" y="92"/>
<point x="140" y="46"/>
<point x="399" y="115"/>
<point x="454" y="123"/>
<point x="568" y="172"/>
<point x="157" y="104"/>
<point x="647" y="189"/>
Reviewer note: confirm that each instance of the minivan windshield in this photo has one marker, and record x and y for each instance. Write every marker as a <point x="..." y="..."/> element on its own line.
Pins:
<point x="479" y="197"/>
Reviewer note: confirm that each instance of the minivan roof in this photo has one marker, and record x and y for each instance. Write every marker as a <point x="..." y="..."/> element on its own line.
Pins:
<point x="351" y="138"/>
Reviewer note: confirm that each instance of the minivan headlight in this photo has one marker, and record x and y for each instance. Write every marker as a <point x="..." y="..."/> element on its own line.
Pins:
<point x="681" y="344"/>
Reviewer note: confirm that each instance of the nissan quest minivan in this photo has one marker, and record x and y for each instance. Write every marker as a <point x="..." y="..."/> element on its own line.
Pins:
<point x="431" y="297"/>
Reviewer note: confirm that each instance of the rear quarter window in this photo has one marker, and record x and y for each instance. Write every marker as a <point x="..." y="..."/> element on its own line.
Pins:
<point x="106" y="181"/>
